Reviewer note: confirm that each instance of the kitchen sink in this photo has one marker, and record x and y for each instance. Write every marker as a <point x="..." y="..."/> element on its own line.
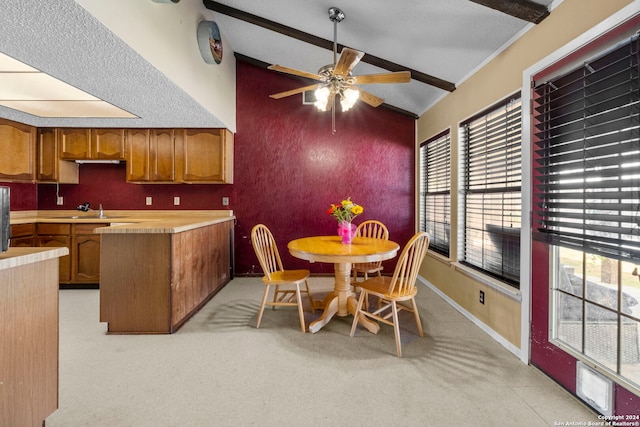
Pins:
<point x="86" y="217"/>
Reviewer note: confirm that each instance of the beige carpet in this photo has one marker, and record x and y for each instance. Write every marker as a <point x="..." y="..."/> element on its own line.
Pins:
<point x="219" y="370"/>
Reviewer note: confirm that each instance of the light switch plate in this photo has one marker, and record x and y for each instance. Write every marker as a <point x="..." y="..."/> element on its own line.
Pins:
<point x="225" y="201"/>
<point x="149" y="201"/>
<point x="176" y="201"/>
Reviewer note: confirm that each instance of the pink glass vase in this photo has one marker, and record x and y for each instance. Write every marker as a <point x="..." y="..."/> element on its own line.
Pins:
<point x="346" y="230"/>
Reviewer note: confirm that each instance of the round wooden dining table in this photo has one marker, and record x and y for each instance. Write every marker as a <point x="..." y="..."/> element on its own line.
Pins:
<point x="342" y="300"/>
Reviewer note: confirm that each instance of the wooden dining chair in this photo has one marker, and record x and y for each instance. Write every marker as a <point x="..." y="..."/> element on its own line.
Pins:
<point x="276" y="276"/>
<point x="396" y="291"/>
<point x="377" y="230"/>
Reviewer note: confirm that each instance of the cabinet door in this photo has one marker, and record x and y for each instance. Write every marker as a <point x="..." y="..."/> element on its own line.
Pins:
<point x="138" y="155"/>
<point x="65" y="261"/>
<point x="162" y="155"/>
<point x="47" y="155"/>
<point x="107" y="144"/>
<point x="85" y="265"/>
<point x="74" y="143"/>
<point x="50" y="167"/>
<point x="205" y="156"/>
<point x="17" y="148"/>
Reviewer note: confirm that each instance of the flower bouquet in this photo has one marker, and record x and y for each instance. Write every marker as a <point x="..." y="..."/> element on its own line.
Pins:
<point x="345" y="212"/>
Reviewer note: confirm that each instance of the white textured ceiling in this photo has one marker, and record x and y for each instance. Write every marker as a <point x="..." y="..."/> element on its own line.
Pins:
<point x="448" y="39"/>
<point x="61" y="38"/>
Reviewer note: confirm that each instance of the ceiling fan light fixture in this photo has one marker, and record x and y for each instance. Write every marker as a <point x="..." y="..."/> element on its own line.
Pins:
<point x="348" y="98"/>
<point x="322" y="98"/>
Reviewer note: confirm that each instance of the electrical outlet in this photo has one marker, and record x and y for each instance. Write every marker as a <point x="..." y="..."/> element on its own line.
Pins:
<point x="149" y="201"/>
<point x="481" y="297"/>
<point x="60" y="201"/>
<point x="225" y="201"/>
<point x="176" y="201"/>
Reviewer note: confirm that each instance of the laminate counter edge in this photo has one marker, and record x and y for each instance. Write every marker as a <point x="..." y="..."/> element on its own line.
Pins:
<point x="16" y="257"/>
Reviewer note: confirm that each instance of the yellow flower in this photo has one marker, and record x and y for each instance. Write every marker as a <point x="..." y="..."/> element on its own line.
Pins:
<point x="357" y="210"/>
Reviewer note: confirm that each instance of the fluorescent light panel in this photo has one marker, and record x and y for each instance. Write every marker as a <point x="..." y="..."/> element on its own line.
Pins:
<point x="26" y="89"/>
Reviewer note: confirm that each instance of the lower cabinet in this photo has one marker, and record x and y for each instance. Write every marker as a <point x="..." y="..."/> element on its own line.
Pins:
<point x="22" y="235"/>
<point x="85" y="254"/>
<point x="82" y="265"/>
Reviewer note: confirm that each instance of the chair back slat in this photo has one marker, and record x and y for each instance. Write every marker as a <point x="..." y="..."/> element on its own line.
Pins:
<point x="372" y="228"/>
<point x="266" y="250"/>
<point x="376" y="230"/>
<point x="404" y="277"/>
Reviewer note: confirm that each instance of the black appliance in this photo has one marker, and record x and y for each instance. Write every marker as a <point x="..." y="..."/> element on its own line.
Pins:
<point x="5" y="229"/>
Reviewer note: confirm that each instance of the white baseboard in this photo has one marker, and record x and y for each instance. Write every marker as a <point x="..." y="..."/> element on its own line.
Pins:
<point x="493" y="334"/>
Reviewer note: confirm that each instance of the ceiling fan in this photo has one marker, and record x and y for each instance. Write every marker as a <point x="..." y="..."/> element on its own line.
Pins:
<point x="336" y="80"/>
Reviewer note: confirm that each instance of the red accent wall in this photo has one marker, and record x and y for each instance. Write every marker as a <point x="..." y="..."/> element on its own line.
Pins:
<point x="289" y="168"/>
<point x="23" y="197"/>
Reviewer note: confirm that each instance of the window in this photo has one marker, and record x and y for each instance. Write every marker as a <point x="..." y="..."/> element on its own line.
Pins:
<point x="435" y="191"/>
<point x="491" y="183"/>
<point x="587" y="207"/>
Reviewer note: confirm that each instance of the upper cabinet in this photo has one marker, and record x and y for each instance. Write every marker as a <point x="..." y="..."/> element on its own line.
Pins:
<point x="207" y="156"/>
<point x="18" y="148"/>
<point x="49" y="166"/>
<point x="91" y="144"/>
<point x="180" y="156"/>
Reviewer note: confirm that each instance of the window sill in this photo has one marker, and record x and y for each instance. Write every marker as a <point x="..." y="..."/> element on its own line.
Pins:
<point x="498" y="286"/>
<point x="439" y="257"/>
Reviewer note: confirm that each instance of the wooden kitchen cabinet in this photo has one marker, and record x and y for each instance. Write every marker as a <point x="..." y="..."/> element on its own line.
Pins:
<point x="138" y="155"/>
<point x="85" y="253"/>
<point x="151" y="155"/>
<point x="18" y="148"/>
<point x="162" y="155"/>
<point x="180" y="156"/>
<point x="207" y="156"/>
<point x="49" y="166"/>
<point x="56" y="236"/>
<point x="22" y="235"/>
<point x="91" y="144"/>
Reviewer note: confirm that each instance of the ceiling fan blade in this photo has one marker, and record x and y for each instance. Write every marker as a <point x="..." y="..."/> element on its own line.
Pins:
<point x="397" y="77"/>
<point x="348" y="59"/>
<point x="295" y="72"/>
<point x="370" y="98"/>
<point x="295" y="91"/>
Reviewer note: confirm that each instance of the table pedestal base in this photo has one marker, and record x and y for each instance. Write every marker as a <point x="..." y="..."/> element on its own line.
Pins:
<point x="341" y="302"/>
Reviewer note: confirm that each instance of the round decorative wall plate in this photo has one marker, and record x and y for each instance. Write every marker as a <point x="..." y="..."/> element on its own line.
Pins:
<point x="210" y="42"/>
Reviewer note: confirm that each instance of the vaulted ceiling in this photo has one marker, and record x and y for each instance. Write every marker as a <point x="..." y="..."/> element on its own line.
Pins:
<point x="441" y="42"/>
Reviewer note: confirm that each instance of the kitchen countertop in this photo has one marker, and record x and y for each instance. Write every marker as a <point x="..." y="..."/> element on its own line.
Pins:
<point x="129" y="221"/>
<point x="16" y="257"/>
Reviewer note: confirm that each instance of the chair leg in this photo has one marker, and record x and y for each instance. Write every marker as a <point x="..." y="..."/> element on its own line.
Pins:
<point x="417" y="316"/>
<point x="356" y="316"/>
<point x="300" y="311"/>
<point x="262" y="304"/>
<point x="396" y="327"/>
<point x="311" y="302"/>
<point x="275" y="296"/>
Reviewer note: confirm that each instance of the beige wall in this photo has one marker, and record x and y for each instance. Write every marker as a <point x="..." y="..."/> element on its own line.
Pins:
<point x="498" y="79"/>
<point x="165" y="35"/>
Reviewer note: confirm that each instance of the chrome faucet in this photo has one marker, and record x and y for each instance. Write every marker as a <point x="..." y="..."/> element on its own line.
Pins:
<point x="86" y="207"/>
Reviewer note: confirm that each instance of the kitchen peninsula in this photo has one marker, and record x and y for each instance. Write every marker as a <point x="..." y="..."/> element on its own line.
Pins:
<point x="154" y="275"/>
<point x="29" y="331"/>
<point x="156" y="268"/>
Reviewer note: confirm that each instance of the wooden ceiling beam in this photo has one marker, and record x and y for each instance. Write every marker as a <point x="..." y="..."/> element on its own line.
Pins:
<point x="527" y="10"/>
<point x="324" y="43"/>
